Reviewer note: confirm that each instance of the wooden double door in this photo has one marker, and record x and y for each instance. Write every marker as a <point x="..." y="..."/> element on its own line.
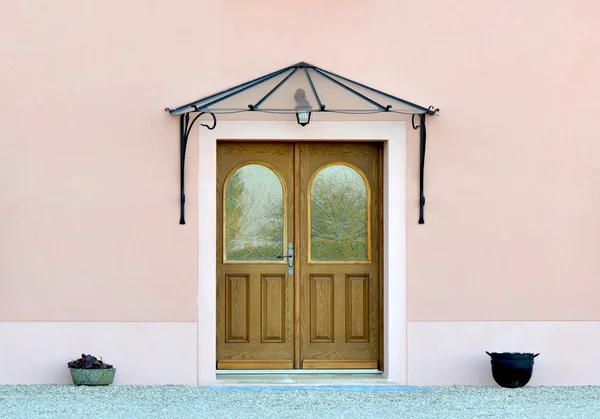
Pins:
<point x="299" y="255"/>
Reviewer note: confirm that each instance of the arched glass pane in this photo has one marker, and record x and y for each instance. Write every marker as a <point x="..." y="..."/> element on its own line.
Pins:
<point x="253" y="214"/>
<point x="339" y="214"/>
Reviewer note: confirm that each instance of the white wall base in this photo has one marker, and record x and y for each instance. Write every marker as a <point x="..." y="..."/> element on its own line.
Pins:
<point x="142" y="353"/>
<point x="453" y="353"/>
<point x="439" y="353"/>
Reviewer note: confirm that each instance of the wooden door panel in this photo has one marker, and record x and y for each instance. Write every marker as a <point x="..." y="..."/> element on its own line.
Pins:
<point x="321" y="308"/>
<point x="273" y="308"/>
<point x="358" y="295"/>
<point x="255" y="294"/>
<point x="237" y="308"/>
<point x="326" y="315"/>
<point x="350" y="303"/>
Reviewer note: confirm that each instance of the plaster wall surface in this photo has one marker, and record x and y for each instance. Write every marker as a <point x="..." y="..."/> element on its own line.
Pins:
<point x="453" y="353"/>
<point x="89" y="168"/>
<point x="141" y="352"/>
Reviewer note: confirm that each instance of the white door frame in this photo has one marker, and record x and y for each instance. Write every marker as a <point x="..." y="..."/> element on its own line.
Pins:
<point x="393" y="135"/>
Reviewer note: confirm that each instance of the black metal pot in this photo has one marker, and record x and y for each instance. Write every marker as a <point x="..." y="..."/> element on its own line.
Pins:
<point x="512" y="369"/>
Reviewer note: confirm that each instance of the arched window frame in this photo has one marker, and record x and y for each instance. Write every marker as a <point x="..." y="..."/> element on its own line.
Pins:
<point x="284" y="213"/>
<point x="309" y="215"/>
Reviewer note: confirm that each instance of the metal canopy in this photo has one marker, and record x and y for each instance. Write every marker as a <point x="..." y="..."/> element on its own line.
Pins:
<point x="323" y="90"/>
<point x="298" y="87"/>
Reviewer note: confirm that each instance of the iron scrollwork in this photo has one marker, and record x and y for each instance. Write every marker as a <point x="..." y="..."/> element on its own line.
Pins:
<point x="185" y="128"/>
<point x="423" y="144"/>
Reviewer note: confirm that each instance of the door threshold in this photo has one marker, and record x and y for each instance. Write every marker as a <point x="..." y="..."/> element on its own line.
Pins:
<point x="340" y="377"/>
<point x="298" y="372"/>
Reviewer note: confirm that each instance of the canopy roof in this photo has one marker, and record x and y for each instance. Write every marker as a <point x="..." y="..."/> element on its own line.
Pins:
<point x="299" y="87"/>
<point x="302" y="86"/>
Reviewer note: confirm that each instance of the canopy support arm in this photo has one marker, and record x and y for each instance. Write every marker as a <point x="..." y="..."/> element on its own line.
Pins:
<point x="185" y="128"/>
<point x="423" y="145"/>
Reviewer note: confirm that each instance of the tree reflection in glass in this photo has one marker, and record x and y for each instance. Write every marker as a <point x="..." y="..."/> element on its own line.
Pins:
<point x="253" y="214"/>
<point x="339" y="211"/>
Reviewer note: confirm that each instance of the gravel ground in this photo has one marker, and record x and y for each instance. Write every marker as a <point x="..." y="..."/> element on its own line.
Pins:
<point x="61" y="401"/>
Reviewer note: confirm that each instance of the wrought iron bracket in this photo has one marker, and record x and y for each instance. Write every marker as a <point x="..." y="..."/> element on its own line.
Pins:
<point x="185" y="128"/>
<point x="423" y="147"/>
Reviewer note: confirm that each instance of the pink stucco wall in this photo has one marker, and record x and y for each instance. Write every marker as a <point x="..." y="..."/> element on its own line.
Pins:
<point x="89" y="159"/>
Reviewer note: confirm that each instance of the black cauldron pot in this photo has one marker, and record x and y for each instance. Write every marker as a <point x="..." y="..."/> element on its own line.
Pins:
<point x="512" y="369"/>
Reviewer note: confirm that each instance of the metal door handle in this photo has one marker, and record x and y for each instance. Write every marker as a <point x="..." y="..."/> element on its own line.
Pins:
<point x="290" y="258"/>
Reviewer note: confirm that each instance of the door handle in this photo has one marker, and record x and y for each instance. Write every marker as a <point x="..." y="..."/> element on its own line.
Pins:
<point x="290" y="258"/>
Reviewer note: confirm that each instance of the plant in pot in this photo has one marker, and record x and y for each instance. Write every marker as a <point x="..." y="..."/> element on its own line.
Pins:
<point x="91" y="371"/>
